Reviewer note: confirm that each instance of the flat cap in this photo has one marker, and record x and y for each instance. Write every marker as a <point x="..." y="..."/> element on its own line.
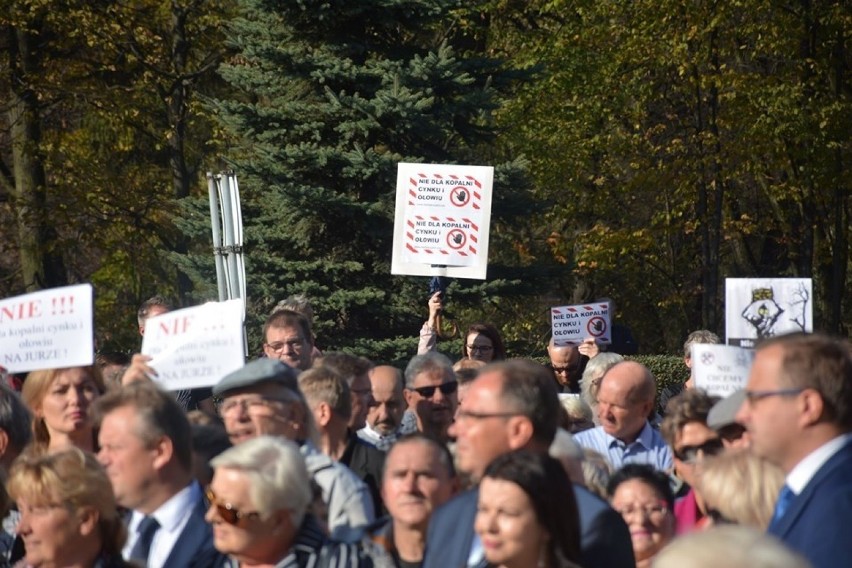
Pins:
<point x="259" y="371"/>
<point x="725" y="411"/>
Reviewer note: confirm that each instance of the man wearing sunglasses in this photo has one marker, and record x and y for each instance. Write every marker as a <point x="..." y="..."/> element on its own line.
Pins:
<point x="798" y="412"/>
<point x="685" y="429"/>
<point x="430" y="391"/>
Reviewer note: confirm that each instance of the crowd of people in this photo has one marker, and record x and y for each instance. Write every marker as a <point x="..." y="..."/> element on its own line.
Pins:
<point x="308" y="459"/>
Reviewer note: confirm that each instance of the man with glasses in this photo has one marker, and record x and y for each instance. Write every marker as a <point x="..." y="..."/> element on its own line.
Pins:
<point x="287" y="337"/>
<point x="625" y="400"/>
<point x="430" y="392"/>
<point x="263" y="398"/>
<point x="513" y="405"/>
<point x="798" y="412"/>
<point x="686" y="431"/>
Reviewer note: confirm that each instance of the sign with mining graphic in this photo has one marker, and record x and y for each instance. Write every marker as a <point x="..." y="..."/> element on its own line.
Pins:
<point x="443" y="215"/>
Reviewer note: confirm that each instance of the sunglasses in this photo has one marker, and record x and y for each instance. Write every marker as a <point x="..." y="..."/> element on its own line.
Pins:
<point x="689" y="454"/>
<point x="227" y="511"/>
<point x="429" y="392"/>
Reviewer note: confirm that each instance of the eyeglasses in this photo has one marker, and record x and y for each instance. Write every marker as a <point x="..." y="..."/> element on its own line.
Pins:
<point x="227" y="511"/>
<point x="429" y="392"/>
<point x="689" y="454"/>
<point x="570" y="369"/>
<point x="654" y="512"/>
<point x="248" y="405"/>
<point x="470" y="415"/>
<point x="292" y="345"/>
<point x="756" y="395"/>
<point x="480" y="348"/>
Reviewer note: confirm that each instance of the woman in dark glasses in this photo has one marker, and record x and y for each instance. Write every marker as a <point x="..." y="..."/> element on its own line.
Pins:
<point x="259" y="499"/>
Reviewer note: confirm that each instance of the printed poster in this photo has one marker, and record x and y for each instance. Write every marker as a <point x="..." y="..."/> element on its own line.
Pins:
<point x="572" y="324"/>
<point x="49" y="329"/>
<point x="757" y="308"/>
<point x="443" y="218"/>
<point x="195" y="347"/>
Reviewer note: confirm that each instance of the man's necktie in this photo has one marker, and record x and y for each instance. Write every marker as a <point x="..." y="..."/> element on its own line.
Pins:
<point x="142" y="547"/>
<point x="785" y="497"/>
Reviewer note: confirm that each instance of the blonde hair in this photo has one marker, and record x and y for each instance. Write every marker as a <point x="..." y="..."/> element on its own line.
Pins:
<point x="741" y="486"/>
<point x="74" y="479"/>
<point x="35" y="388"/>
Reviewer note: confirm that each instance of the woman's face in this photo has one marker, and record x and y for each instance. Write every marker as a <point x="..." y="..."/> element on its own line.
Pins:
<point x="51" y="534"/>
<point x="251" y="537"/>
<point x="479" y="347"/>
<point x="650" y="522"/>
<point x="507" y="525"/>
<point x="65" y="406"/>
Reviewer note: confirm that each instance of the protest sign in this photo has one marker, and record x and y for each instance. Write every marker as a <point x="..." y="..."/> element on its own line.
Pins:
<point x="195" y="347"/>
<point x="50" y="329"/>
<point x="572" y="324"/>
<point x="757" y="308"/>
<point x="720" y="369"/>
<point x="443" y="216"/>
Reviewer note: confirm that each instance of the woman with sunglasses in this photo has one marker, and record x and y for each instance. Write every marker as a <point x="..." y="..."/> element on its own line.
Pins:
<point x="685" y="430"/>
<point x="259" y="500"/>
<point x="643" y="497"/>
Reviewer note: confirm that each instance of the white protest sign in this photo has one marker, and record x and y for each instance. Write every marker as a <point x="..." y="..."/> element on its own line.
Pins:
<point x="756" y="308"/>
<point x="50" y="329"/>
<point x="195" y="347"/>
<point x="720" y="369"/>
<point x="572" y="324"/>
<point x="442" y="221"/>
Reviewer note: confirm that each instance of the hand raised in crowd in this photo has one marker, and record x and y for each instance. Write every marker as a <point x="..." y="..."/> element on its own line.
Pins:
<point x="589" y="348"/>
<point x="139" y="370"/>
<point x="436" y="304"/>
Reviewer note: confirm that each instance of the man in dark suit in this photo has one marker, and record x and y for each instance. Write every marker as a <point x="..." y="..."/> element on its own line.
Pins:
<point x="146" y="450"/>
<point x="798" y="411"/>
<point x="513" y="405"/>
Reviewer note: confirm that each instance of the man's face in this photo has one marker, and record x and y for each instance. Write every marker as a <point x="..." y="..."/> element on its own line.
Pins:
<point x="694" y="442"/>
<point x="434" y="408"/>
<point x="289" y="345"/>
<point x="481" y="427"/>
<point x="771" y="421"/>
<point x="621" y="411"/>
<point x="129" y="464"/>
<point x="565" y="361"/>
<point x="265" y="408"/>
<point x="361" y="396"/>
<point x="387" y="406"/>
<point x="153" y="311"/>
<point x="415" y="483"/>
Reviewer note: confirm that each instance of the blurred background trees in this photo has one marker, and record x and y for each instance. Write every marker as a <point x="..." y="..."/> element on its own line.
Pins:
<point x="644" y="151"/>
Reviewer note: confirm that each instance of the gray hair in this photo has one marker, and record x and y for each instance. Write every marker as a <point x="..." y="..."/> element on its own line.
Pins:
<point x="431" y="361"/>
<point x="699" y="336"/>
<point x="15" y="418"/>
<point x="278" y="476"/>
<point x="734" y="546"/>
<point x="595" y="370"/>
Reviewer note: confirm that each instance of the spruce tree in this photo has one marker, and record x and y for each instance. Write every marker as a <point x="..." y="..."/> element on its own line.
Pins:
<point x="329" y="96"/>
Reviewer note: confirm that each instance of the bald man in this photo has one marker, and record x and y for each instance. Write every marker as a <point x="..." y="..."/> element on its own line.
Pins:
<point x="625" y="400"/>
<point x="568" y="361"/>
<point x="384" y="417"/>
